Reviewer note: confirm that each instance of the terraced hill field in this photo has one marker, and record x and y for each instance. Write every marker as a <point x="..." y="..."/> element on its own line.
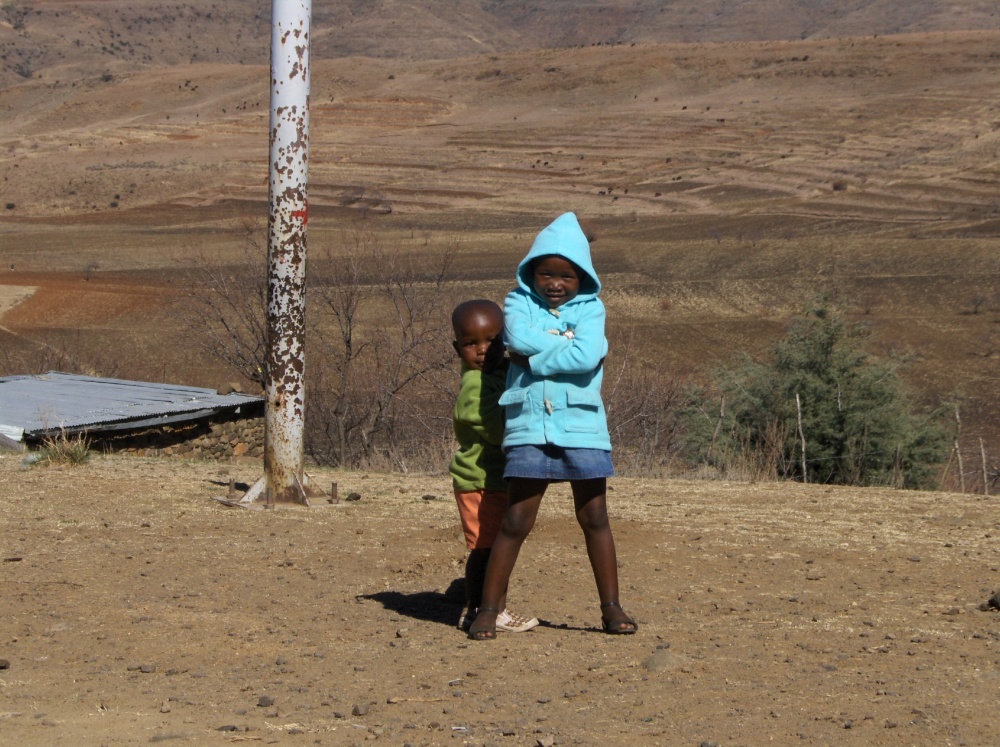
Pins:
<point x="729" y="184"/>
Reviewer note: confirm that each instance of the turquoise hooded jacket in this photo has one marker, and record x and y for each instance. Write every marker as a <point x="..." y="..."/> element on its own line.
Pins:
<point x="557" y="399"/>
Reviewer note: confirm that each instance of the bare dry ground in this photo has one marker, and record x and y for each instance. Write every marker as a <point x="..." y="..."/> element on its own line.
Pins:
<point x="134" y="609"/>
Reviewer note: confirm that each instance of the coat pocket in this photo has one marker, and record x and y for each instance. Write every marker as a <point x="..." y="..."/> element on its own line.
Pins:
<point x="583" y="411"/>
<point x="516" y="408"/>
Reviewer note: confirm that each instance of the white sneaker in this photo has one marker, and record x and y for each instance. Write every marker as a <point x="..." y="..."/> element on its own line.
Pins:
<point x="511" y="622"/>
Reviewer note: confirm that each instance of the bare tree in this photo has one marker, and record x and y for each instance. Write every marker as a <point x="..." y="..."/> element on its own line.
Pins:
<point x="224" y="310"/>
<point x="340" y="292"/>
<point x="643" y="404"/>
<point x="378" y="390"/>
<point x="377" y="336"/>
<point x="976" y="302"/>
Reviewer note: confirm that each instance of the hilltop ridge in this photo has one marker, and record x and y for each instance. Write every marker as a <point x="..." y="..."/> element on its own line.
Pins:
<point x="75" y="38"/>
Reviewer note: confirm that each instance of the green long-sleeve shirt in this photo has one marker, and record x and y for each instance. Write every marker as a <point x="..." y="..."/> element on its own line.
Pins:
<point x="478" y="421"/>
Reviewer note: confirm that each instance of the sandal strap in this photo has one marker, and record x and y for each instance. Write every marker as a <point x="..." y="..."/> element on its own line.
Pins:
<point x="612" y="604"/>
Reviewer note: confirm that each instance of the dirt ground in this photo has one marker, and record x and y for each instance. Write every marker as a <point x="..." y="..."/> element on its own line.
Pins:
<point x="136" y="609"/>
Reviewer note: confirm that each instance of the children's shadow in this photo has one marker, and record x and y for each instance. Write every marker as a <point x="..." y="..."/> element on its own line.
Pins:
<point x="432" y="606"/>
<point x="446" y="608"/>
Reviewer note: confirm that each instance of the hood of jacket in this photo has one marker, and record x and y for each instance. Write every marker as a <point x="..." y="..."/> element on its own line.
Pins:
<point x="564" y="238"/>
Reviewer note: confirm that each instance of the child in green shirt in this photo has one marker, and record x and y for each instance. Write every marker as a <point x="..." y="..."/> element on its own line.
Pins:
<point x="477" y="467"/>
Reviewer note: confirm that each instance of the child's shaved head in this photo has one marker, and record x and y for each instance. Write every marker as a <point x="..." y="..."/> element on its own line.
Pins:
<point x="479" y="309"/>
<point x="478" y="334"/>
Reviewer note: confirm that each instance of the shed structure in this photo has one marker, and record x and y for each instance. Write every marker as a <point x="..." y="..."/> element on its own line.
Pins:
<point x="128" y="415"/>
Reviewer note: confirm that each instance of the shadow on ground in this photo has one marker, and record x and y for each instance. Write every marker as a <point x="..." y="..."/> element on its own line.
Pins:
<point x="445" y="608"/>
<point x="432" y="606"/>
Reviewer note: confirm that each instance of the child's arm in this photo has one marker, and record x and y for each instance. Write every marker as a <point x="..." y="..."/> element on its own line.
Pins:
<point x="522" y="334"/>
<point x="555" y="353"/>
<point x="582" y="353"/>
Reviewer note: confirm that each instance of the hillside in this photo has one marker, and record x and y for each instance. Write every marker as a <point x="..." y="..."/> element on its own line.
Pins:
<point x="730" y="182"/>
<point x="68" y="39"/>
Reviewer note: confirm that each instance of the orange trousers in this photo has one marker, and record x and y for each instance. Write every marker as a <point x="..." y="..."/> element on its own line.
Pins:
<point x="481" y="512"/>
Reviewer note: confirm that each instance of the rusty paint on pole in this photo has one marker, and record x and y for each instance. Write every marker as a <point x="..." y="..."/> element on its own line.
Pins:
<point x="289" y="156"/>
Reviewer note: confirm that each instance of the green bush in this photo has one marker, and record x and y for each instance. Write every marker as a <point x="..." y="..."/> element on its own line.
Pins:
<point x="819" y="386"/>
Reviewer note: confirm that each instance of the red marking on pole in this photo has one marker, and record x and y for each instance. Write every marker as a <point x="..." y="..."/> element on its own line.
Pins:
<point x="303" y="214"/>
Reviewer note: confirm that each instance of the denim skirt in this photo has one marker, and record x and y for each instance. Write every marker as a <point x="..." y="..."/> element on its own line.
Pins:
<point x="549" y="462"/>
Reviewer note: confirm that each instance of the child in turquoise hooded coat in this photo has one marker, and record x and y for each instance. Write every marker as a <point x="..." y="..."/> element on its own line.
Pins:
<point x="556" y="428"/>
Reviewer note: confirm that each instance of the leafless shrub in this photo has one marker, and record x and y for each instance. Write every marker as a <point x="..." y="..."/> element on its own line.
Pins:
<point x="742" y="461"/>
<point x="66" y="350"/>
<point x="377" y="353"/>
<point x="382" y="330"/>
<point x="986" y="344"/>
<point x="869" y="302"/>
<point x="978" y="472"/>
<point x="224" y="308"/>
<point x="643" y="404"/>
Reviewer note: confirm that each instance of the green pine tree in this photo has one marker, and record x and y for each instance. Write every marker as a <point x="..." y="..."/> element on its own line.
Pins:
<point x="859" y="426"/>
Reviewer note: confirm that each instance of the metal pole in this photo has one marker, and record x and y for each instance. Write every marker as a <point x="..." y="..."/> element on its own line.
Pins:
<point x="284" y="415"/>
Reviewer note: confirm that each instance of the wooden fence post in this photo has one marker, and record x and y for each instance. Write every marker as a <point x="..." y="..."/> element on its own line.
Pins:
<point x="958" y="452"/>
<point x="961" y="470"/>
<point x="986" y="481"/>
<point x="802" y="436"/>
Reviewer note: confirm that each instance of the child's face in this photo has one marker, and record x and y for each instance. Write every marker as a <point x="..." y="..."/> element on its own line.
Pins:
<point x="556" y="280"/>
<point x="479" y="342"/>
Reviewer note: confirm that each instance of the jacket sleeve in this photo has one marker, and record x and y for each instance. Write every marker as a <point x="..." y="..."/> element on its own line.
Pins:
<point x="478" y="407"/>
<point x="522" y="334"/>
<point x="579" y="355"/>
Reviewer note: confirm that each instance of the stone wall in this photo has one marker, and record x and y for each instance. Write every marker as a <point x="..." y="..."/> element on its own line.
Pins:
<point x="240" y="438"/>
<point x="219" y="439"/>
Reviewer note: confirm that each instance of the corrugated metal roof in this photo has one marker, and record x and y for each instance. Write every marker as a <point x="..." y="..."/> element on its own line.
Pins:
<point x="38" y="404"/>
